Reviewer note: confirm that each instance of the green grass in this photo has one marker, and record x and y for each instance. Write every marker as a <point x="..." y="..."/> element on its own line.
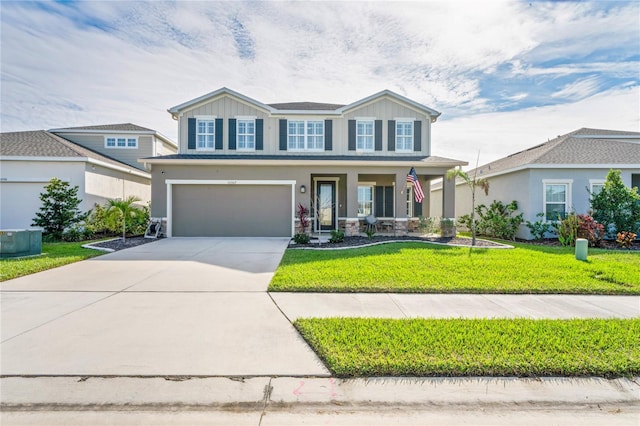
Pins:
<point x="53" y="255"/>
<point x="429" y="268"/>
<point x="357" y="347"/>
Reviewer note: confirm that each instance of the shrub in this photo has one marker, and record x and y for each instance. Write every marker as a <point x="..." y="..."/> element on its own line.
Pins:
<point x="337" y="236"/>
<point x="617" y="205"/>
<point x="77" y="232"/>
<point x="301" y="238"/>
<point x="495" y="221"/>
<point x="427" y="225"/>
<point x="103" y="220"/>
<point x="590" y="230"/>
<point x="371" y="232"/>
<point x="303" y="214"/>
<point x="540" y="227"/>
<point x="59" y="208"/>
<point x="567" y="229"/>
<point x="625" y="239"/>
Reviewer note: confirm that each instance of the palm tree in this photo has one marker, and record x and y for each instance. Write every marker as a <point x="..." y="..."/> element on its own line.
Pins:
<point x="473" y="183"/>
<point x="126" y="209"/>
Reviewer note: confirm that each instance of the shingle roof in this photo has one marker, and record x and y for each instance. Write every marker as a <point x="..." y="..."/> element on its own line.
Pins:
<point x="583" y="146"/>
<point x="309" y="106"/>
<point x="123" y="127"/>
<point x="40" y="143"/>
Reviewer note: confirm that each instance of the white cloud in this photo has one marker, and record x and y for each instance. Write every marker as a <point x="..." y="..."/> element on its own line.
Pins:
<point x="579" y="89"/>
<point x="106" y="62"/>
<point x="497" y="135"/>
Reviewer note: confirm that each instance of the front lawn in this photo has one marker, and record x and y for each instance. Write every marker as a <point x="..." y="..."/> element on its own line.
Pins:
<point x="53" y="255"/>
<point x="429" y="268"/>
<point x="358" y="347"/>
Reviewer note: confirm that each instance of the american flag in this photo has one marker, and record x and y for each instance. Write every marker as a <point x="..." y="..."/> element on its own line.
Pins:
<point x="417" y="188"/>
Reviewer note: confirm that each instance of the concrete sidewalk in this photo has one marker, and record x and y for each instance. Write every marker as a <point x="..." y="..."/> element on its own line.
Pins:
<point x="394" y="305"/>
<point x="276" y="401"/>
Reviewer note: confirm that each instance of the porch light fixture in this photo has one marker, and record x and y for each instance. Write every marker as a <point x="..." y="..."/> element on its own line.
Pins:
<point x="303" y="189"/>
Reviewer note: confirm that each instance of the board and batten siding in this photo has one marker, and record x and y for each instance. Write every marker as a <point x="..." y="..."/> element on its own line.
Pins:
<point x="129" y="156"/>
<point x="227" y="107"/>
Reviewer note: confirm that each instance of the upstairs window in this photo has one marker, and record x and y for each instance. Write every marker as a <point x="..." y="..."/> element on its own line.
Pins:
<point x="125" y="142"/>
<point x="205" y="133"/>
<point x="305" y="135"/>
<point x="364" y="135"/>
<point x="404" y="136"/>
<point x="246" y="135"/>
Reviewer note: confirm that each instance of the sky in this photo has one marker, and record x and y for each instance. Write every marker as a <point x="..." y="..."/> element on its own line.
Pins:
<point x="506" y="75"/>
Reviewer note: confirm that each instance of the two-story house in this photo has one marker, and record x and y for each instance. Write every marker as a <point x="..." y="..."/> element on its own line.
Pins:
<point x="101" y="160"/>
<point x="243" y="166"/>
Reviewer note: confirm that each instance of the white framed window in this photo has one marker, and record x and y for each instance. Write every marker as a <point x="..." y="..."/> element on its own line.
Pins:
<point x="205" y="133"/>
<point x="365" y="200"/>
<point x="595" y="186"/>
<point x="305" y="135"/>
<point x="364" y="135"/>
<point x="246" y="134"/>
<point x="557" y="198"/>
<point x="404" y="135"/>
<point x="409" y="200"/>
<point x="123" y="142"/>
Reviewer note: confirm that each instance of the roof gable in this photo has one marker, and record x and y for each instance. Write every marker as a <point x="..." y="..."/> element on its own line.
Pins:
<point x="388" y="93"/>
<point x="217" y="93"/>
<point x="123" y="127"/>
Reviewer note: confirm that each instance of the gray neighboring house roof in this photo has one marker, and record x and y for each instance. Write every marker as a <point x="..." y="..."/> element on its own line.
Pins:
<point x="123" y="127"/>
<point x="41" y="143"/>
<point x="581" y="147"/>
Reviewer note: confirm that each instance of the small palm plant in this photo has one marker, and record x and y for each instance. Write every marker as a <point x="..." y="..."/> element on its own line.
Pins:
<point x="126" y="210"/>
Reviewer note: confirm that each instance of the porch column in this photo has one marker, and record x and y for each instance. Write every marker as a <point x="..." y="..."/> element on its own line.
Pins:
<point x="352" y="223"/>
<point x="448" y="197"/>
<point x="401" y="225"/>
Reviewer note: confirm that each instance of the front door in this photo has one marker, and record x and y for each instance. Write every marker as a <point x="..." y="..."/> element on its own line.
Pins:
<point x="325" y="205"/>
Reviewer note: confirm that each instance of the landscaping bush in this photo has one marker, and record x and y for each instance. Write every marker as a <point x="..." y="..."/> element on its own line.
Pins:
<point x="540" y="227"/>
<point x="625" y="239"/>
<point x="301" y="238"/>
<point x="77" y="232"/>
<point x="616" y="206"/>
<point x="303" y="214"/>
<point x="59" y="209"/>
<point x="496" y="221"/>
<point x="590" y="230"/>
<point x="337" y="236"/>
<point x="427" y="225"/>
<point x="567" y="229"/>
<point x="104" y="220"/>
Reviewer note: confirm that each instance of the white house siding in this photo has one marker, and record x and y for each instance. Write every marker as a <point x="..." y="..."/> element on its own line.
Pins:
<point x="22" y="182"/>
<point x="102" y="184"/>
<point x="96" y="142"/>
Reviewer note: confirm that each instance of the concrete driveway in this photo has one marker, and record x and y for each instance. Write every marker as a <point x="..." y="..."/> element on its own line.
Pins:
<point x="176" y="307"/>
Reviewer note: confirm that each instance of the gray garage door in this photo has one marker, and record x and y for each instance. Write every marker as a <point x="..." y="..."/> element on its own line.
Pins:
<point x="231" y="211"/>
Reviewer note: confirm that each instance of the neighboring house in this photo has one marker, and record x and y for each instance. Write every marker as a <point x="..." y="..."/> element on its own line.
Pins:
<point x="100" y="160"/>
<point x="242" y="166"/>
<point x="555" y="177"/>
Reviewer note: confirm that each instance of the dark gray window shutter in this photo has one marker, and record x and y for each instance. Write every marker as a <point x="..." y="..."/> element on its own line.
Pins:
<point x="191" y="133"/>
<point x="417" y="208"/>
<point x="259" y="134"/>
<point x="417" y="135"/>
<point x="388" y="201"/>
<point x="378" y="135"/>
<point x="392" y="135"/>
<point x="232" y="133"/>
<point x="328" y="135"/>
<point x="219" y="133"/>
<point x="283" y="135"/>
<point x="378" y="210"/>
<point x="352" y="135"/>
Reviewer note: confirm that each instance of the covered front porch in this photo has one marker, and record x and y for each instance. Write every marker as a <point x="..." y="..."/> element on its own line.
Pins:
<point x="380" y="200"/>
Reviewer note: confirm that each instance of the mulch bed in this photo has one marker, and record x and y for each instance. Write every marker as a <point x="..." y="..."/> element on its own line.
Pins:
<point x="118" y="244"/>
<point x="604" y="244"/>
<point x="363" y="241"/>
